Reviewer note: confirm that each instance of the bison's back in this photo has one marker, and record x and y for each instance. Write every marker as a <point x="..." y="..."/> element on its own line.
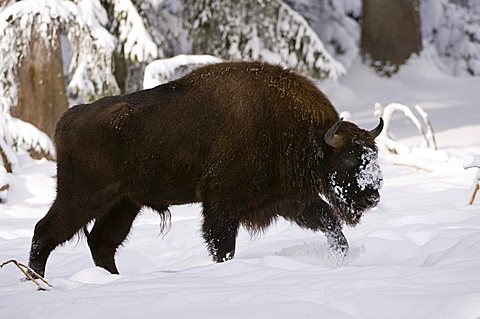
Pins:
<point x="223" y="127"/>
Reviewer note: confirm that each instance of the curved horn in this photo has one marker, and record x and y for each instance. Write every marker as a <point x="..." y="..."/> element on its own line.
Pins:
<point x="331" y="133"/>
<point x="376" y="131"/>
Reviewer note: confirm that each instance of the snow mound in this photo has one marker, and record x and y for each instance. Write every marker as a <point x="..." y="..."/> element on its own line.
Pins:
<point x="93" y="275"/>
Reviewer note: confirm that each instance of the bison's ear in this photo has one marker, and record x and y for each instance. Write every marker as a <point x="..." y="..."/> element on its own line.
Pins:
<point x="332" y="138"/>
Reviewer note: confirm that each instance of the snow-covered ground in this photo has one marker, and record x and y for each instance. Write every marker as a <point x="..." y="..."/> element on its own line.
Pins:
<point x="417" y="255"/>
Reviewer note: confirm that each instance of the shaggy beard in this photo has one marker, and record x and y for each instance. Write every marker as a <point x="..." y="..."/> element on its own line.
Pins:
<point x="345" y="212"/>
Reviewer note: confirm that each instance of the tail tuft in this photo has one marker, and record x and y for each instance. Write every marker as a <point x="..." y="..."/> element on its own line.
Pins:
<point x="85" y="231"/>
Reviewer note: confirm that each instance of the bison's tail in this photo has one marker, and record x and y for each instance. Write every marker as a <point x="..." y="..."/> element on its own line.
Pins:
<point x="81" y="234"/>
<point x="85" y="231"/>
<point x="165" y="220"/>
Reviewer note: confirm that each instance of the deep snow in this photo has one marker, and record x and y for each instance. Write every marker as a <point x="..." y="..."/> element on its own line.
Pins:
<point x="417" y="255"/>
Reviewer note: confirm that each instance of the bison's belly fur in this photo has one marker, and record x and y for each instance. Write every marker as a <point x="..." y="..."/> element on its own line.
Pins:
<point x="244" y="139"/>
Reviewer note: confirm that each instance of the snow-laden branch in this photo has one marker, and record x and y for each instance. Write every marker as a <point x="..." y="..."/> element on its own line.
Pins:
<point x="138" y="44"/>
<point x="4" y="184"/>
<point x="474" y="163"/>
<point x="424" y="158"/>
<point x="267" y="30"/>
<point x="8" y="156"/>
<point x="95" y="16"/>
<point x="424" y="127"/>
<point x="313" y="54"/>
<point x="453" y="30"/>
<point x="336" y="23"/>
<point x="16" y="134"/>
<point x="429" y="135"/>
<point x="164" y="70"/>
<point x="27" y="137"/>
<point x="92" y="49"/>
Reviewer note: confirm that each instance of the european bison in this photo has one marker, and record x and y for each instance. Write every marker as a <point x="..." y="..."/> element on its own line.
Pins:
<point x="251" y="141"/>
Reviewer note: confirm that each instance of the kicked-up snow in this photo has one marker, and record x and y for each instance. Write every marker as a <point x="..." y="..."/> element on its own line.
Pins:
<point x="416" y="255"/>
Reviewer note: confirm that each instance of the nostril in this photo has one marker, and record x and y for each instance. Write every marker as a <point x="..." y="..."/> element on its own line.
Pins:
<point x="371" y="201"/>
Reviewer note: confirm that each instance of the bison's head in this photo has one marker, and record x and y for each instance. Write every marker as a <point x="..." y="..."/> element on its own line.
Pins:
<point x="353" y="174"/>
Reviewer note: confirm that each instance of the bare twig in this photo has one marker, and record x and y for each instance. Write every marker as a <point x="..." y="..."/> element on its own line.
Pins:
<point x="27" y="271"/>
<point x="5" y="161"/>
<point x="418" y="168"/>
<point x="474" y="194"/>
<point x="476" y="182"/>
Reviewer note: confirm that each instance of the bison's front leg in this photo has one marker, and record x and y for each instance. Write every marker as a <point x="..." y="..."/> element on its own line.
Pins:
<point x="318" y="216"/>
<point x="59" y="225"/>
<point x="220" y="231"/>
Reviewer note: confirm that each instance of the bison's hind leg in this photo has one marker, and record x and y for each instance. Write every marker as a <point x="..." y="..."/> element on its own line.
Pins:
<point x="109" y="232"/>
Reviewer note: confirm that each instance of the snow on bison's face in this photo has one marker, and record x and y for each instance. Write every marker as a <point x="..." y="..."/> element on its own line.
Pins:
<point x="353" y="174"/>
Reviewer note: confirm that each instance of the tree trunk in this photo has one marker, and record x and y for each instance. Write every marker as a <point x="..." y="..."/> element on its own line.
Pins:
<point x="41" y="93"/>
<point x="120" y="71"/>
<point x="390" y="33"/>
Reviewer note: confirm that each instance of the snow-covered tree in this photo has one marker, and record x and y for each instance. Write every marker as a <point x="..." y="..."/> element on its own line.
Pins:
<point x="91" y="45"/>
<point x="452" y="28"/>
<point x="88" y="49"/>
<point x="45" y="20"/>
<point x="337" y="24"/>
<point x="258" y="29"/>
<point x="136" y="42"/>
<point x="449" y="29"/>
<point x="164" y="19"/>
<point x="391" y="33"/>
<point x="91" y="65"/>
<point x="139" y="40"/>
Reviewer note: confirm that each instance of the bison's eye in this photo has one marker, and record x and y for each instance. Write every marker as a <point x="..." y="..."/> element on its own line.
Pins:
<point x="350" y="162"/>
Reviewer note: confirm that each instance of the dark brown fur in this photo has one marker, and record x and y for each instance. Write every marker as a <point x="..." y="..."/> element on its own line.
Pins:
<point x="243" y="138"/>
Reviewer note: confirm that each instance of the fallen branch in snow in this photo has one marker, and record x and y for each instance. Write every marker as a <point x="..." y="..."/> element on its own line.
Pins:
<point x="474" y="194"/>
<point x="424" y="129"/>
<point x="5" y="161"/>
<point x="27" y="271"/>
<point x="430" y="136"/>
<point x="418" y="168"/>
